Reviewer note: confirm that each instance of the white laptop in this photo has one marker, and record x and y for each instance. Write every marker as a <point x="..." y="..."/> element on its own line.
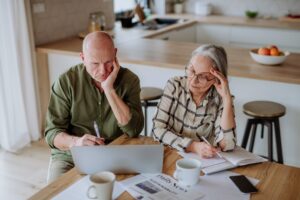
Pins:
<point x="120" y="159"/>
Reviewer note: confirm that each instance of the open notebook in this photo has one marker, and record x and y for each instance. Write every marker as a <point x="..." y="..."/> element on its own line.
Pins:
<point x="232" y="159"/>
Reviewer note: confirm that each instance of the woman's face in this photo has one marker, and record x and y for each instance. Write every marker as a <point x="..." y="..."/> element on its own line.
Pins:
<point x="199" y="77"/>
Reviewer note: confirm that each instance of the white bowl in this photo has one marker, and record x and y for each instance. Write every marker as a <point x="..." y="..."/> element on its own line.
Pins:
<point x="268" y="60"/>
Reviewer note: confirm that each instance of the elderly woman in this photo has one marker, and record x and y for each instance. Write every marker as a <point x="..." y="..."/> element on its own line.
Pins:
<point x="198" y="105"/>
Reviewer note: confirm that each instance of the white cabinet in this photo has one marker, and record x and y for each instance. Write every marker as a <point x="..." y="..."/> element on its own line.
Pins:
<point x="213" y="34"/>
<point x="187" y="34"/>
<point x="163" y="36"/>
<point x="254" y="37"/>
<point x="59" y="63"/>
<point x="246" y="90"/>
<point x="248" y="37"/>
<point x="236" y="36"/>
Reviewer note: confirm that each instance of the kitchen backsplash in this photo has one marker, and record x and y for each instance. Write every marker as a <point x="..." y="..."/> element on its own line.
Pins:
<point x="64" y="18"/>
<point x="266" y="8"/>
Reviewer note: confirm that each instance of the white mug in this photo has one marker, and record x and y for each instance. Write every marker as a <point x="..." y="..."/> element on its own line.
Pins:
<point x="102" y="183"/>
<point x="187" y="171"/>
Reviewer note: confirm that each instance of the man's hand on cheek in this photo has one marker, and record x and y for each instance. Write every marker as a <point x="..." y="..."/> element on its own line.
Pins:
<point x="108" y="84"/>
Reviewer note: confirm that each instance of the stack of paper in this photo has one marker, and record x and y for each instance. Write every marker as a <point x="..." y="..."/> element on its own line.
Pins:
<point x="78" y="191"/>
<point x="159" y="187"/>
<point x="220" y="186"/>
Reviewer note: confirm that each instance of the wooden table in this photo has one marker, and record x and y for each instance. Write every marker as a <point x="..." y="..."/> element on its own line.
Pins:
<point x="276" y="181"/>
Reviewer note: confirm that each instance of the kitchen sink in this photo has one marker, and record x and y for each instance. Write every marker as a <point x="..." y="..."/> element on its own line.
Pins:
<point x="165" y="21"/>
<point x="158" y="23"/>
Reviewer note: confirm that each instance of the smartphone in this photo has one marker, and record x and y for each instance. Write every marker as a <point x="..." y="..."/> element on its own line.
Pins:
<point x="243" y="184"/>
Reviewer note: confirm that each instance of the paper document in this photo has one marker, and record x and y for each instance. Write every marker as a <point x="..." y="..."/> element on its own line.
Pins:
<point x="232" y="159"/>
<point x="159" y="187"/>
<point x="240" y="156"/>
<point x="219" y="186"/>
<point x="78" y="190"/>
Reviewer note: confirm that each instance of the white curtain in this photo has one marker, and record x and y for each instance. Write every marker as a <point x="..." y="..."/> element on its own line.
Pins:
<point x="19" y="122"/>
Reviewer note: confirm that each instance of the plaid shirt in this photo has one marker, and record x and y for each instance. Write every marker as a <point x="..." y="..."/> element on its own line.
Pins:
<point x="179" y="121"/>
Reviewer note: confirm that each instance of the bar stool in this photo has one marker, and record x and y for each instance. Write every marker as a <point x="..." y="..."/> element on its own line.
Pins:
<point x="149" y="97"/>
<point x="265" y="113"/>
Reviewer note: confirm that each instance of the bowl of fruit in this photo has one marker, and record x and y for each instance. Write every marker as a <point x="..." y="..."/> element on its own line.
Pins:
<point x="269" y="55"/>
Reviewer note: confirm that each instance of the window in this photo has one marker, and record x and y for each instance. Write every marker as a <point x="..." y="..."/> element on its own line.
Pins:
<point x="123" y="5"/>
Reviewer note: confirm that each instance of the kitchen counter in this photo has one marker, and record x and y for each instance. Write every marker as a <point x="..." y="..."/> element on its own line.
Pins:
<point x="172" y="54"/>
<point x="134" y="47"/>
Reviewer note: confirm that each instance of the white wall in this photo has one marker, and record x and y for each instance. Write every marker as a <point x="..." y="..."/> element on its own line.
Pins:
<point x="288" y="95"/>
<point x="274" y="8"/>
<point x="65" y="18"/>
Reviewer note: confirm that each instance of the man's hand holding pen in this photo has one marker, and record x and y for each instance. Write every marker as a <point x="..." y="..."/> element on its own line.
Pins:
<point x="88" y="140"/>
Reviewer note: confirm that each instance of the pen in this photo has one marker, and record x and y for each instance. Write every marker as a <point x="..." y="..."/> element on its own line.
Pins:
<point x="203" y="138"/>
<point x="97" y="129"/>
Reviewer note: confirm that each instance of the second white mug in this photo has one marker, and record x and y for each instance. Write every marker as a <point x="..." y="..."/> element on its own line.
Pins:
<point x="102" y="183"/>
<point x="187" y="171"/>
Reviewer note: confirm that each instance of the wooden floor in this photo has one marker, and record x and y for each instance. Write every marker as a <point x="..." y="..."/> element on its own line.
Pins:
<point x="24" y="173"/>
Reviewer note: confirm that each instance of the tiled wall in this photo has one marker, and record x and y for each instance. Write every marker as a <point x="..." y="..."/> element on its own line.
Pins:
<point x="64" y="18"/>
<point x="270" y="8"/>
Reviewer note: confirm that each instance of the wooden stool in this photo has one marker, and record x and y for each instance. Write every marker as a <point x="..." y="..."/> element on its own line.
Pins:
<point x="148" y="96"/>
<point x="265" y="113"/>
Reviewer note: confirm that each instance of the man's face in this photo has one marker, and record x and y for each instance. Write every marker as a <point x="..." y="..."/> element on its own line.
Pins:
<point x="99" y="62"/>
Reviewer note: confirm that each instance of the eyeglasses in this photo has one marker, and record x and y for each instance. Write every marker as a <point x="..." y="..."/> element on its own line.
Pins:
<point x="201" y="78"/>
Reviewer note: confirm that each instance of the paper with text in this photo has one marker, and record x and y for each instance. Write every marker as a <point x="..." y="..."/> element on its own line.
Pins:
<point x="159" y="187"/>
<point x="78" y="190"/>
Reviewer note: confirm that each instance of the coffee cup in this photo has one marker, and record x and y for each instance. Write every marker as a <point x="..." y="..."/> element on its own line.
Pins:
<point x="102" y="184"/>
<point x="187" y="171"/>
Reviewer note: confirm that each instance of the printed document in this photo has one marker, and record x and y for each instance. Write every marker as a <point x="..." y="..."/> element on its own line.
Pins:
<point x="78" y="190"/>
<point x="159" y="187"/>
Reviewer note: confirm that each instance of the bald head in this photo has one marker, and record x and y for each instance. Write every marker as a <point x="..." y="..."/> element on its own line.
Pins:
<point x="98" y="55"/>
<point x="98" y="40"/>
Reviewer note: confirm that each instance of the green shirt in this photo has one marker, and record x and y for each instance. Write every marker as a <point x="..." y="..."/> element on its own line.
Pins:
<point x="75" y="103"/>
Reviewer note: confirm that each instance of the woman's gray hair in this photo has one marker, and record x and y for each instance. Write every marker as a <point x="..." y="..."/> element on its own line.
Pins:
<point x="216" y="53"/>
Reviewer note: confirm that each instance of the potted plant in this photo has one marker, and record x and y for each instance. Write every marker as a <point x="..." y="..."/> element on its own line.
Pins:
<point x="178" y="6"/>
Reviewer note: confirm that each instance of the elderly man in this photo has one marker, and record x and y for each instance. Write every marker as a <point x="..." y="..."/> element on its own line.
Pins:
<point x="96" y="91"/>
